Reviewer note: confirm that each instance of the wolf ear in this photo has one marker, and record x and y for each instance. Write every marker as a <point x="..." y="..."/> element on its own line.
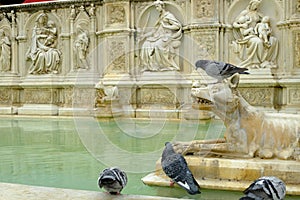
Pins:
<point x="233" y="81"/>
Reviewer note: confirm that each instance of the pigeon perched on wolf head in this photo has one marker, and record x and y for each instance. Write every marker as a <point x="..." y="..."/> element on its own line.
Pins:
<point x="219" y="70"/>
<point x="267" y="188"/>
<point x="113" y="180"/>
<point x="175" y="166"/>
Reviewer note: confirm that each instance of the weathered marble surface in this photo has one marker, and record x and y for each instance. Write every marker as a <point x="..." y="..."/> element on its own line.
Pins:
<point x="56" y="52"/>
<point x="16" y="192"/>
<point x="233" y="174"/>
<point x="249" y="132"/>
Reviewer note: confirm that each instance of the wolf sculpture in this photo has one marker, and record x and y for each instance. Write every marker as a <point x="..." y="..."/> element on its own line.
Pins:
<point x="249" y="132"/>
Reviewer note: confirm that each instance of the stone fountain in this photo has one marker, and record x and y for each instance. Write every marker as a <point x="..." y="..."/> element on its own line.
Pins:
<point x="255" y="143"/>
<point x="51" y="66"/>
<point x="133" y="58"/>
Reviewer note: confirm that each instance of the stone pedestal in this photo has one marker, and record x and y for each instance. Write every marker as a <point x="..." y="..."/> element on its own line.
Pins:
<point x="233" y="174"/>
<point x="109" y="108"/>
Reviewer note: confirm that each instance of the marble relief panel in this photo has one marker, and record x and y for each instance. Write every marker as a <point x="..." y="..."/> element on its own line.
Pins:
<point x="81" y="40"/>
<point x="255" y="41"/>
<point x="83" y="97"/>
<point x="206" y="45"/>
<point x="294" y="96"/>
<point x="204" y="8"/>
<point x="67" y="96"/>
<point x="43" y="55"/>
<point x="297" y="49"/>
<point x="157" y="96"/>
<point x="258" y="96"/>
<point x="115" y="14"/>
<point x="5" y="96"/>
<point x="159" y="37"/>
<point x="40" y="96"/>
<point x="117" y="56"/>
<point x="5" y="44"/>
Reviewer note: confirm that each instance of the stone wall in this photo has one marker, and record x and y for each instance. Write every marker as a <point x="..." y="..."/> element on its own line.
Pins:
<point x="54" y="53"/>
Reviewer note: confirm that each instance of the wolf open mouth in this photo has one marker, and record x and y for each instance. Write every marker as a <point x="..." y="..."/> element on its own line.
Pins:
<point x="203" y="104"/>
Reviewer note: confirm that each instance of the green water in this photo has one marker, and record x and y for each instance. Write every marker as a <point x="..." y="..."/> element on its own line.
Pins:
<point x="71" y="152"/>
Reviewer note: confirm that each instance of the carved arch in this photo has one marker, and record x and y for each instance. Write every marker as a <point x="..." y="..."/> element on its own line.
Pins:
<point x="144" y="15"/>
<point x="270" y="8"/>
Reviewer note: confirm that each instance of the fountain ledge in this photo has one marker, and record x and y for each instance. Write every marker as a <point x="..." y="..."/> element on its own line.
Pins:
<point x="233" y="174"/>
<point x="9" y="191"/>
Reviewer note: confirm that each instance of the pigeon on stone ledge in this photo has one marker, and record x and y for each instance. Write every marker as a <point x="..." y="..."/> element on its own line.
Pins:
<point x="175" y="166"/>
<point x="265" y="188"/>
<point x="113" y="180"/>
<point x="219" y="70"/>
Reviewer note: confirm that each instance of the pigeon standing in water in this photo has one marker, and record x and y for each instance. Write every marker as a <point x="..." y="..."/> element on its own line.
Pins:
<point x="113" y="180"/>
<point x="219" y="70"/>
<point x="175" y="166"/>
<point x="265" y="188"/>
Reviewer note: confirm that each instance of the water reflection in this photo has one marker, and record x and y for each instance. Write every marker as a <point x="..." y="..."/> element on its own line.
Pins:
<point x="70" y="153"/>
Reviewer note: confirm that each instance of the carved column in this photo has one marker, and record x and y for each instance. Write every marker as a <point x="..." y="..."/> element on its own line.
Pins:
<point x="22" y="39"/>
<point x="93" y="39"/>
<point x="72" y="37"/>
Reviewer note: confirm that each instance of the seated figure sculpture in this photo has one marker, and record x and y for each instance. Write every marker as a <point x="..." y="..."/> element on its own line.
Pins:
<point x="43" y="54"/>
<point x="249" y="132"/>
<point x="255" y="49"/>
<point x="159" y="46"/>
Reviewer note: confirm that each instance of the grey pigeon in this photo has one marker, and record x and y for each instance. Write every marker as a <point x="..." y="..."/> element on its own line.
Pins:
<point x="219" y="70"/>
<point x="113" y="180"/>
<point x="265" y="188"/>
<point x="175" y="166"/>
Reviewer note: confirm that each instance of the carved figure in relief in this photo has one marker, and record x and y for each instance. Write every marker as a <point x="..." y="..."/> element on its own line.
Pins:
<point x="73" y="12"/>
<point x="5" y="52"/>
<point x="105" y="94"/>
<point x="244" y="23"/>
<point x="249" y="132"/>
<point x="42" y="52"/>
<point x="159" y="48"/>
<point x="264" y="31"/>
<point x="92" y="10"/>
<point x="81" y="45"/>
<point x="52" y="34"/>
<point x="252" y="49"/>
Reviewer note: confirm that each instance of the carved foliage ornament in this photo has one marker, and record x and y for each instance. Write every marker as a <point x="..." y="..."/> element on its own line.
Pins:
<point x="297" y="49"/>
<point x="205" y="45"/>
<point x="116" y="14"/>
<point x="204" y="8"/>
<point x="117" y="56"/>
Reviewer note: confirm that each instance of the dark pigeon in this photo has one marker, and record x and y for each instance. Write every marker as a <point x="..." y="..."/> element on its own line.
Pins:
<point x="113" y="180"/>
<point x="265" y="188"/>
<point x="219" y="70"/>
<point x="175" y="166"/>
